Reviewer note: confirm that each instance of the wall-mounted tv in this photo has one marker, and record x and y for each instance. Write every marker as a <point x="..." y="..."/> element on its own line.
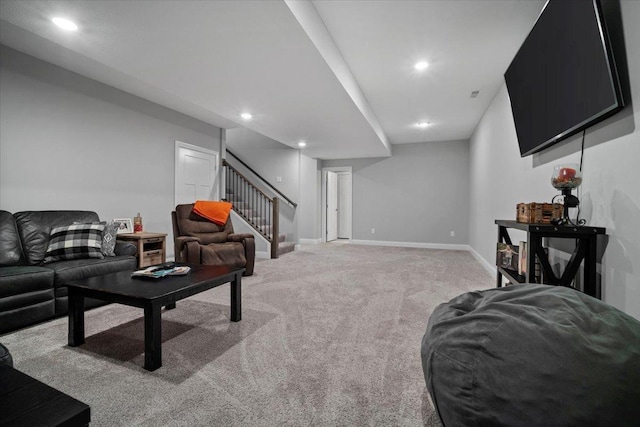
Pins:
<point x="563" y="79"/>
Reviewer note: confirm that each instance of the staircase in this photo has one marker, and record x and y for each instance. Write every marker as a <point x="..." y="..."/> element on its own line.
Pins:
<point x="256" y="208"/>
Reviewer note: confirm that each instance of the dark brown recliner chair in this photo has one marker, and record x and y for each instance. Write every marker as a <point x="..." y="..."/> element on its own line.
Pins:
<point x="200" y="241"/>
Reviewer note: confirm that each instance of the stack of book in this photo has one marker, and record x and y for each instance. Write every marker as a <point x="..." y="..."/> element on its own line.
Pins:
<point x="522" y="266"/>
<point x="156" y="272"/>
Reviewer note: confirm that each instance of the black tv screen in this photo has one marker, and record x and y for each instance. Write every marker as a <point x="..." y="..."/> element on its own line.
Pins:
<point x="563" y="79"/>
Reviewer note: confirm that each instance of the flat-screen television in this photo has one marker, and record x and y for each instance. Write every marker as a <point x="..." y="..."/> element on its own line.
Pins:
<point x="563" y="79"/>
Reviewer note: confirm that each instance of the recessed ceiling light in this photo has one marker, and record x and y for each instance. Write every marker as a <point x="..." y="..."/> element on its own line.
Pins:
<point x="246" y="116"/>
<point x="302" y="144"/>
<point x="422" y="65"/>
<point x="65" y="24"/>
<point x="423" y="124"/>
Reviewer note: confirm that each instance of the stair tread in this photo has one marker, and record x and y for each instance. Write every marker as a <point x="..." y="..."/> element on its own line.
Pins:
<point x="285" y="247"/>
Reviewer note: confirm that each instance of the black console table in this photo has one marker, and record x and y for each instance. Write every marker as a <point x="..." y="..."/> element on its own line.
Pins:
<point x="586" y="244"/>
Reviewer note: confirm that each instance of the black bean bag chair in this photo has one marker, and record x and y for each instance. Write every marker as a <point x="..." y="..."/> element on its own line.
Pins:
<point x="532" y="355"/>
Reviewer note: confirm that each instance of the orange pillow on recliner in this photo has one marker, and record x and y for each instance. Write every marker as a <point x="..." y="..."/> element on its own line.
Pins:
<point x="216" y="212"/>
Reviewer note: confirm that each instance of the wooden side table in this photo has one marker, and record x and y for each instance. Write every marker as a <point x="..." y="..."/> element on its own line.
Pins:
<point x="152" y="247"/>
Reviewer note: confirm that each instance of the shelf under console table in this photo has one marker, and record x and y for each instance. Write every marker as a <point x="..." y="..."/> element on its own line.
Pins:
<point x="586" y="244"/>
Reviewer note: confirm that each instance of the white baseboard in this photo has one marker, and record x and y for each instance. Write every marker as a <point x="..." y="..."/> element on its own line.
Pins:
<point x="309" y="242"/>
<point x="263" y="255"/>
<point x="446" y="246"/>
<point x="486" y="264"/>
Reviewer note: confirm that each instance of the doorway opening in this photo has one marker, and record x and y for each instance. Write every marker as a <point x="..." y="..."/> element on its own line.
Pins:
<point x="337" y="194"/>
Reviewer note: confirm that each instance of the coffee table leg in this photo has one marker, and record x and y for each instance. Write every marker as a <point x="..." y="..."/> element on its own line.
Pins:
<point x="76" y="319"/>
<point x="152" y="337"/>
<point x="236" y="314"/>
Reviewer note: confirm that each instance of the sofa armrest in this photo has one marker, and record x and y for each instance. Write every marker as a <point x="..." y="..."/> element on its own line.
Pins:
<point x="249" y="254"/>
<point x="187" y="249"/>
<point x="191" y="252"/>
<point x="184" y="239"/>
<point x="249" y="243"/>
<point x="125" y="248"/>
<point x="239" y="237"/>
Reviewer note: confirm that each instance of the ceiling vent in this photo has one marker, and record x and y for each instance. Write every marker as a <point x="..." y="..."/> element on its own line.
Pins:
<point x="475" y="93"/>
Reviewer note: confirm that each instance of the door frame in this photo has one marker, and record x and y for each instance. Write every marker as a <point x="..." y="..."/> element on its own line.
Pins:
<point x="186" y="145"/>
<point x="323" y="201"/>
<point x="347" y="191"/>
<point x="332" y="203"/>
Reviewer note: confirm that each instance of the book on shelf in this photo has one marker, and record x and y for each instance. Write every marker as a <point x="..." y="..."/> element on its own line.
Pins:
<point x="522" y="264"/>
<point x="155" y="272"/>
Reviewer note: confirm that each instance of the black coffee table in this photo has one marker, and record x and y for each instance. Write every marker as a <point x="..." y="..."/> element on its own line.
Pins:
<point x="25" y="401"/>
<point x="151" y="295"/>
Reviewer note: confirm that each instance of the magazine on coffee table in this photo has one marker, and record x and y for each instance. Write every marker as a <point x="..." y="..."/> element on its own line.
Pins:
<point x="156" y="272"/>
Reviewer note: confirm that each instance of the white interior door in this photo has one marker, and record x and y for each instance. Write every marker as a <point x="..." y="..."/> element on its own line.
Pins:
<point x="344" y="205"/>
<point x="195" y="173"/>
<point x="332" y="206"/>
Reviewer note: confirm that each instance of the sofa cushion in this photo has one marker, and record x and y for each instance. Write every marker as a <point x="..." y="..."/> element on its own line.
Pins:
<point x="77" y="269"/>
<point x="18" y="280"/>
<point x="10" y="247"/>
<point x="35" y="227"/>
<point x="75" y="241"/>
<point x="28" y="315"/>
<point x="26" y="296"/>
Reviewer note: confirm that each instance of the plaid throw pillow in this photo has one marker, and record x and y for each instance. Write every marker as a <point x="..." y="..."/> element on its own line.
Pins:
<point x="75" y="241"/>
<point x="108" y="236"/>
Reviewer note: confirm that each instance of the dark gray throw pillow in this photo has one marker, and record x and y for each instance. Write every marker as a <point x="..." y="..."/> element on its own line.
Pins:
<point x="109" y="238"/>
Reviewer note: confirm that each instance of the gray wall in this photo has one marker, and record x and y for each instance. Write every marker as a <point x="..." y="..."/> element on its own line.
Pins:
<point x="68" y="142"/>
<point x="610" y="192"/>
<point x="309" y="207"/>
<point x="418" y="195"/>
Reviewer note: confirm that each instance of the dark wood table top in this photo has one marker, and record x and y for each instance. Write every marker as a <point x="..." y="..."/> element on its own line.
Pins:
<point x="123" y="285"/>
<point x="25" y="401"/>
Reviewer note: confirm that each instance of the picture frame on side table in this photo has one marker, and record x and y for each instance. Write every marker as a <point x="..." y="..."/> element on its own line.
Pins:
<point x="125" y="225"/>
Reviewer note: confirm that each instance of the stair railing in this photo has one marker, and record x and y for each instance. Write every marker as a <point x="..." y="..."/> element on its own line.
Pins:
<point x="261" y="211"/>
<point x="288" y="200"/>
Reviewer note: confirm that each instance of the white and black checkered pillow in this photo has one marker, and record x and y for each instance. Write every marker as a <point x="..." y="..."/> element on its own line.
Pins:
<point x="108" y="236"/>
<point x="75" y="241"/>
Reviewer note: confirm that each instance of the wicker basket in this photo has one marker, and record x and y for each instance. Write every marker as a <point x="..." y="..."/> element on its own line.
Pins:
<point x="538" y="213"/>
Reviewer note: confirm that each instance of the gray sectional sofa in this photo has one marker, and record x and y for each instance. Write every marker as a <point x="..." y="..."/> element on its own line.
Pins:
<point x="30" y="291"/>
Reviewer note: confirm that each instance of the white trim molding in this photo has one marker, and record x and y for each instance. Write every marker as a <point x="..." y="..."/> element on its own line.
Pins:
<point x="309" y="242"/>
<point x="411" y="245"/>
<point x="486" y="264"/>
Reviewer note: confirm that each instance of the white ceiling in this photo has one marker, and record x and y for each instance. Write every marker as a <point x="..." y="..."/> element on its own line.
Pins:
<point x="337" y="74"/>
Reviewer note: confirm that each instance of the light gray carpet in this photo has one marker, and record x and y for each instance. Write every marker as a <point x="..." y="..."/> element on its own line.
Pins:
<point x="330" y="335"/>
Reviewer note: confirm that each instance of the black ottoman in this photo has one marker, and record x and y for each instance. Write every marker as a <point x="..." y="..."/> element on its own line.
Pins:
<point x="5" y="356"/>
<point x="532" y="355"/>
